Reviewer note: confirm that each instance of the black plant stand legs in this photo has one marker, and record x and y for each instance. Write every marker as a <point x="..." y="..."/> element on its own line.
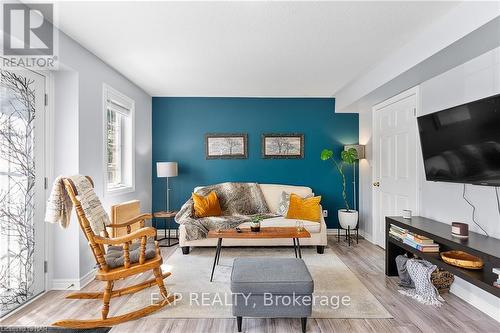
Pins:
<point x="348" y="235"/>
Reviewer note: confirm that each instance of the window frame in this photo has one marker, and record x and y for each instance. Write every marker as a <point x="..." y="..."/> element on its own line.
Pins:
<point x="130" y="103"/>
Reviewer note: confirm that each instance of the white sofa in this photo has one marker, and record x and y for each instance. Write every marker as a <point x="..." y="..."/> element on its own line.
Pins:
<point x="272" y="194"/>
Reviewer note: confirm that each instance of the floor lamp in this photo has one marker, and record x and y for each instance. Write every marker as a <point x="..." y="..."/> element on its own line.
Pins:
<point x="166" y="170"/>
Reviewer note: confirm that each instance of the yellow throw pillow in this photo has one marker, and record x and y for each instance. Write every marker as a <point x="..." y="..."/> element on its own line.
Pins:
<point x="206" y="206"/>
<point x="304" y="209"/>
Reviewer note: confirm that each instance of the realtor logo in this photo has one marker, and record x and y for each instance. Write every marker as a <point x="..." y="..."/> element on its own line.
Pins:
<point x="29" y="38"/>
<point x="28" y="29"/>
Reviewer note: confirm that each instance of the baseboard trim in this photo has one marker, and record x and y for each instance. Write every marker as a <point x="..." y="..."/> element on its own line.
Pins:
<point x="73" y="284"/>
<point x="331" y="231"/>
<point x="480" y="299"/>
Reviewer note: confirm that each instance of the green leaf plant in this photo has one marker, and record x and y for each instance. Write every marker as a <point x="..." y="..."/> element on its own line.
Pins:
<point x="347" y="157"/>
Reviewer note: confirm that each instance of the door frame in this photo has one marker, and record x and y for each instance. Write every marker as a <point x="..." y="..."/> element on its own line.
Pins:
<point x="377" y="236"/>
<point x="49" y="168"/>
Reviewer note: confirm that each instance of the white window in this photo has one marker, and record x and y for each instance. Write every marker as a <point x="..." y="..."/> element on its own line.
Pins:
<point x="118" y="141"/>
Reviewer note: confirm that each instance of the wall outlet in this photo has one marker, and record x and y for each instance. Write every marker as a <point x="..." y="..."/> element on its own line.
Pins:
<point x="325" y="213"/>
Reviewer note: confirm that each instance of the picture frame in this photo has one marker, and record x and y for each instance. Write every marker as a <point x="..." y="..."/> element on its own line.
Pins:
<point x="282" y="146"/>
<point x="226" y="146"/>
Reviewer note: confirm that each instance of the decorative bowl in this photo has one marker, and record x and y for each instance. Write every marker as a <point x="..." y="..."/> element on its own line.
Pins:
<point x="462" y="259"/>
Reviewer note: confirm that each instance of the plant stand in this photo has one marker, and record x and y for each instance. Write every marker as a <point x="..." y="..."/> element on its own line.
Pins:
<point x="348" y="234"/>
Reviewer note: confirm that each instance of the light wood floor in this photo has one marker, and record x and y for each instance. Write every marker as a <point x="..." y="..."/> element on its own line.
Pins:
<point x="365" y="260"/>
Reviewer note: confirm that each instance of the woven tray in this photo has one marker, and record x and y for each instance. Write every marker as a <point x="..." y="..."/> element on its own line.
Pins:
<point x="462" y="259"/>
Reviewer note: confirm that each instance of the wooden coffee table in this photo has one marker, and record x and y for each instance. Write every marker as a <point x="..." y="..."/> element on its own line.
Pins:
<point x="265" y="232"/>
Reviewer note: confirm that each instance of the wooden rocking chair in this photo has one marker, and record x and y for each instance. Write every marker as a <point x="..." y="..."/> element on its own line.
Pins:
<point x="99" y="246"/>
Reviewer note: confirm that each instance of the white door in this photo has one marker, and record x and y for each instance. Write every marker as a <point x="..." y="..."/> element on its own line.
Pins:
<point x="22" y="193"/>
<point x="394" y="159"/>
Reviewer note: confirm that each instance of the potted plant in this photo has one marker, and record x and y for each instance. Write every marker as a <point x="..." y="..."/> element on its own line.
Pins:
<point x="255" y="223"/>
<point x="348" y="217"/>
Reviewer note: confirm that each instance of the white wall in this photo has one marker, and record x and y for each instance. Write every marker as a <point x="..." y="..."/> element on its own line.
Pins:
<point x="475" y="79"/>
<point x="82" y="122"/>
<point x="65" y="242"/>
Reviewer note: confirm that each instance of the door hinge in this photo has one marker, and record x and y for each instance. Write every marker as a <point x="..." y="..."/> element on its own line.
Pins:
<point x="46" y="101"/>
<point x="45" y="183"/>
<point x="415" y="112"/>
<point x="45" y="266"/>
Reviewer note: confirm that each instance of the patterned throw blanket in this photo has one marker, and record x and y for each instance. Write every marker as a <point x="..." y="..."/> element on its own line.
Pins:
<point x="238" y="201"/>
<point x="425" y="292"/>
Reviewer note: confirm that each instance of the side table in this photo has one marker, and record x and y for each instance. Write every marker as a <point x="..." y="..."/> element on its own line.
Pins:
<point x="168" y="217"/>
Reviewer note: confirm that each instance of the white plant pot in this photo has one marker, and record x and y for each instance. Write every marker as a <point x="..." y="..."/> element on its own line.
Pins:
<point x="348" y="218"/>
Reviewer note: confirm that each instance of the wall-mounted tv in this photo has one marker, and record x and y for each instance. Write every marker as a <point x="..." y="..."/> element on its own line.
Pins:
<point x="462" y="144"/>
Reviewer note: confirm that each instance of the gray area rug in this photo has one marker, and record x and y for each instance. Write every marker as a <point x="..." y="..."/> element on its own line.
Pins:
<point x="338" y="292"/>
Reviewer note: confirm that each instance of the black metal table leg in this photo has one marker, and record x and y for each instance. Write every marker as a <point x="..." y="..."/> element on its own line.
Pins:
<point x="295" y="247"/>
<point x="298" y="247"/>
<point x="216" y="258"/>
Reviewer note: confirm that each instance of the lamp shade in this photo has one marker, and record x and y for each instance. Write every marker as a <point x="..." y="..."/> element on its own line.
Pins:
<point x="166" y="169"/>
<point x="359" y="148"/>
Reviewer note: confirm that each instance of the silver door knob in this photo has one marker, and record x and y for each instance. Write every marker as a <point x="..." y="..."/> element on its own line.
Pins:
<point x="376" y="184"/>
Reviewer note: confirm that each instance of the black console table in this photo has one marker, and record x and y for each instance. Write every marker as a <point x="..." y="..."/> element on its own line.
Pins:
<point x="486" y="248"/>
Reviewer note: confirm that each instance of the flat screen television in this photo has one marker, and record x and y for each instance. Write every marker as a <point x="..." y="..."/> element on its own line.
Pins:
<point x="462" y="144"/>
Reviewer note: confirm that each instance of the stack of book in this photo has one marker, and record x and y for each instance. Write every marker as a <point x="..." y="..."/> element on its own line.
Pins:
<point x="497" y="272"/>
<point x="397" y="233"/>
<point x="420" y="243"/>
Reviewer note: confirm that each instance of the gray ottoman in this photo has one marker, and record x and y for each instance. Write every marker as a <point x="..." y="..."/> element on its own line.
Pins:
<point x="271" y="288"/>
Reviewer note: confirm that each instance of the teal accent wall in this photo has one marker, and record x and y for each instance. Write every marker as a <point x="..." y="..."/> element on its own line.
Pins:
<point x="180" y="124"/>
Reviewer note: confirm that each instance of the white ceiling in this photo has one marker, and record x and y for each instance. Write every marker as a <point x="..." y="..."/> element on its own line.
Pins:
<point x="245" y="48"/>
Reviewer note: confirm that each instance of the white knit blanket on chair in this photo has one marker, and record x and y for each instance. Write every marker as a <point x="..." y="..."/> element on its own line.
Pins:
<point x="425" y="292"/>
<point x="59" y="205"/>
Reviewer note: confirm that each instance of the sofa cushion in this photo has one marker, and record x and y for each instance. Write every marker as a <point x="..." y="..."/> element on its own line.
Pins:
<point x="114" y="255"/>
<point x="272" y="193"/>
<point x="271" y="275"/>
<point x="312" y="227"/>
